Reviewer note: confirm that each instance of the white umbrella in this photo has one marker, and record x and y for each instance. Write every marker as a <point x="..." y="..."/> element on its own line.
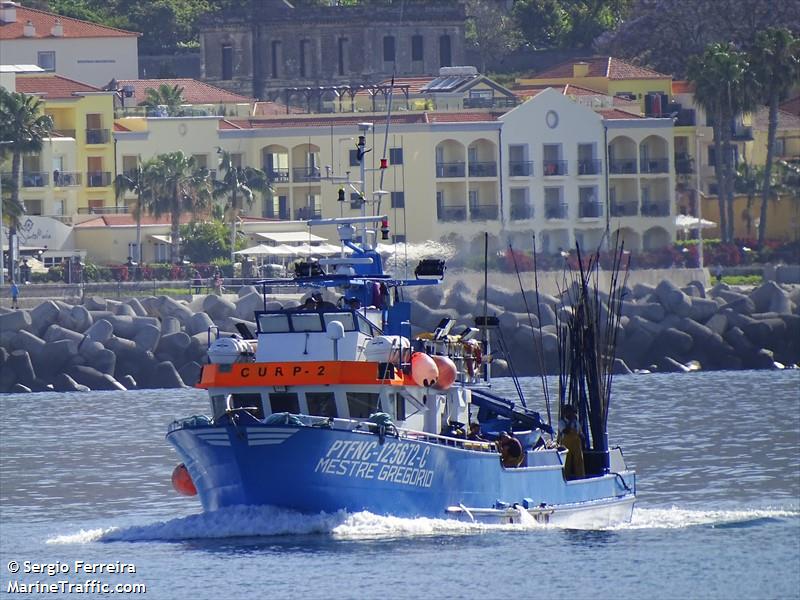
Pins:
<point x="260" y="250"/>
<point x="687" y="222"/>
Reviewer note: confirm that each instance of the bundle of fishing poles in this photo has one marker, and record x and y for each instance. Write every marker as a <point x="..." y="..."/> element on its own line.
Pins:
<point x="587" y="324"/>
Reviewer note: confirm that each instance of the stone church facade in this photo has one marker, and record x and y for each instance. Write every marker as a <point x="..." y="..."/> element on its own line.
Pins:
<point x="281" y="46"/>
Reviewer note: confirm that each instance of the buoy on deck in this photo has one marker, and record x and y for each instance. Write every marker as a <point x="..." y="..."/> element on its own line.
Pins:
<point x="447" y="372"/>
<point x="182" y="481"/>
<point x="424" y="371"/>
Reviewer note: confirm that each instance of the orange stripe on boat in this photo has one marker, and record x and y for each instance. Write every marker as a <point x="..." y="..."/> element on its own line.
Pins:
<point x="297" y="373"/>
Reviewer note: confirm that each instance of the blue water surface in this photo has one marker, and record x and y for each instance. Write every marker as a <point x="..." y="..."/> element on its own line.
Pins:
<point x="87" y="477"/>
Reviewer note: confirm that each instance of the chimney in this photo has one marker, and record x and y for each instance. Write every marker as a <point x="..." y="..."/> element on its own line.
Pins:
<point x="580" y="69"/>
<point x="57" y="30"/>
<point x="8" y="12"/>
<point x="29" y="30"/>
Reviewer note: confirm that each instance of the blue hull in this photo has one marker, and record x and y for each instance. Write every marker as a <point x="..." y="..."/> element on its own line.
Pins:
<point x="311" y="469"/>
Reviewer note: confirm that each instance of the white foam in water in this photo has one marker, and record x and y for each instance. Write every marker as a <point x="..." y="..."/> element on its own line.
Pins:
<point x="246" y="521"/>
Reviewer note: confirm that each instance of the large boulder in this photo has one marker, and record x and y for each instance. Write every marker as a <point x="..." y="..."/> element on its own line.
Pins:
<point x="702" y="310"/>
<point x="673" y="299"/>
<point x="147" y="337"/>
<point x="19" y="363"/>
<point x="652" y="311"/>
<point x="673" y="342"/>
<point x="138" y="308"/>
<point x="56" y="332"/>
<point x="54" y="356"/>
<point x="431" y="296"/>
<point x="95" y="303"/>
<point x="33" y="345"/>
<point x="642" y="290"/>
<point x="246" y="290"/>
<point x="100" y="331"/>
<point x="16" y="320"/>
<point x="770" y="297"/>
<point x="64" y="383"/>
<point x="166" y="376"/>
<point x="44" y="315"/>
<point x="190" y="372"/>
<point x="718" y="323"/>
<point x="218" y="307"/>
<point x="94" y="379"/>
<point x="169" y="307"/>
<point x="199" y="323"/>
<point x="77" y="318"/>
<point x="170" y="325"/>
<point x="246" y="306"/>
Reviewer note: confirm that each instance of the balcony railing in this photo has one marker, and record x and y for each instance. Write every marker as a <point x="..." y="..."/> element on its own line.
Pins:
<point x="277" y="175"/>
<point x="452" y="169"/>
<point x="624" y="209"/>
<point x="451" y="213"/>
<point x="67" y="133"/>
<point x="35" y="179"/>
<point x="521" y="211"/>
<point x="590" y="210"/>
<point x="283" y="215"/>
<point x="742" y="133"/>
<point x="483" y="169"/>
<point x="684" y="165"/>
<point x="520" y="168"/>
<point x="97" y="136"/>
<point x="554" y="167"/>
<point x="103" y="210"/>
<point x="307" y="212"/>
<point x="555" y="210"/>
<point x="67" y="178"/>
<point x="589" y="166"/>
<point x="483" y="212"/>
<point x="655" y="209"/>
<point x="622" y="166"/>
<point x="499" y="102"/>
<point x="305" y="174"/>
<point x="98" y="179"/>
<point x="655" y="165"/>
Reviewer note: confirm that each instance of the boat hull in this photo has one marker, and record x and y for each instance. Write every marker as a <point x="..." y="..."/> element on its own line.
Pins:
<point x="312" y="470"/>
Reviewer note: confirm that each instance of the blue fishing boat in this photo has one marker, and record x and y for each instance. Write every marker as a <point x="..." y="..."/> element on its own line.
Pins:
<point x="344" y="405"/>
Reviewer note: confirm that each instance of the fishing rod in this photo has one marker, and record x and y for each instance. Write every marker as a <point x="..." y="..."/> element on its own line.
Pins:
<point x="541" y="343"/>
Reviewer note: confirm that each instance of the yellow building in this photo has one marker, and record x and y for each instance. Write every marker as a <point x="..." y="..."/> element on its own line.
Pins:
<point x="74" y="172"/>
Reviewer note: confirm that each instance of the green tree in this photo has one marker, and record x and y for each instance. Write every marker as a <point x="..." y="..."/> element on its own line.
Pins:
<point x="182" y="188"/>
<point x="167" y="95"/>
<point x="491" y="30"/>
<point x="143" y="183"/>
<point x="568" y="23"/>
<point x="725" y="89"/>
<point x="206" y="241"/>
<point x="237" y="185"/>
<point x="23" y="129"/>
<point x="775" y="59"/>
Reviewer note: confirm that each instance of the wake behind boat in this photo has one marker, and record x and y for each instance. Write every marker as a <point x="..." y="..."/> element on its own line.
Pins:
<point x="340" y="406"/>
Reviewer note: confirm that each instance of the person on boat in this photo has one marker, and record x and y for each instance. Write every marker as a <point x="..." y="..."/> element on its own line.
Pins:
<point x="321" y="303"/>
<point x="570" y="438"/>
<point x="475" y="433"/>
<point x="511" y="454"/>
<point x="310" y="304"/>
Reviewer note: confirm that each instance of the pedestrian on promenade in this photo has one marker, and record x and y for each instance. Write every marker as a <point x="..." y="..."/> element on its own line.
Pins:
<point x="14" y="295"/>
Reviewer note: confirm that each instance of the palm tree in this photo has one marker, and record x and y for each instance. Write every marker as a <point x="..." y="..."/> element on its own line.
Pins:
<point x="725" y="89"/>
<point x="237" y="184"/>
<point x="749" y="180"/>
<point x="181" y="187"/>
<point x="142" y="181"/>
<point x="167" y="95"/>
<point x="776" y="62"/>
<point x="23" y="124"/>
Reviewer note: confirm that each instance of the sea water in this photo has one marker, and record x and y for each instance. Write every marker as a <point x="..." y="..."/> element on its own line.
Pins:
<point x="85" y="482"/>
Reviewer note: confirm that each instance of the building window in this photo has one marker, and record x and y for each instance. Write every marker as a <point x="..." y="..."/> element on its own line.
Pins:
<point x="398" y="199"/>
<point x="47" y="60"/>
<point x="236" y="159"/>
<point x="417" y="48"/>
<point x="388" y="49"/>
<point x="133" y="251"/>
<point x="129" y="163"/>
<point x="227" y="61"/>
<point x="445" y="52"/>
<point x="276" y="58"/>
<point x="342" y="56"/>
<point x="355" y="200"/>
<point x="354" y="158"/>
<point x="161" y="253"/>
<point x="303" y="51"/>
<point x="395" y="156"/>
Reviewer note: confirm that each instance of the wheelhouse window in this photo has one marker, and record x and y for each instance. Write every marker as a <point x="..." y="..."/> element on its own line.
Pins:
<point x="305" y="323"/>
<point x="362" y="404"/>
<point x="219" y="404"/>
<point x="273" y="323"/>
<point x="250" y="401"/>
<point x="399" y="407"/>
<point x="284" y="402"/>
<point x="345" y="318"/>
<point x="322" y="404"/>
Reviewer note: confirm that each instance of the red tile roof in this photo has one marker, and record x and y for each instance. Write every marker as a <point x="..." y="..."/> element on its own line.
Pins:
<point x="601" y="66"/>
<point x="194" y="92"/>
<point x="43" y="23"/>
<point x="52" y="86"/>
<point x="578" y="90"/>
<point x="786" y="120"/>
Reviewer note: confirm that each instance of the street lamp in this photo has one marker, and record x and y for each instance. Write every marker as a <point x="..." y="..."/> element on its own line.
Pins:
<point x="700" y="196"/>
